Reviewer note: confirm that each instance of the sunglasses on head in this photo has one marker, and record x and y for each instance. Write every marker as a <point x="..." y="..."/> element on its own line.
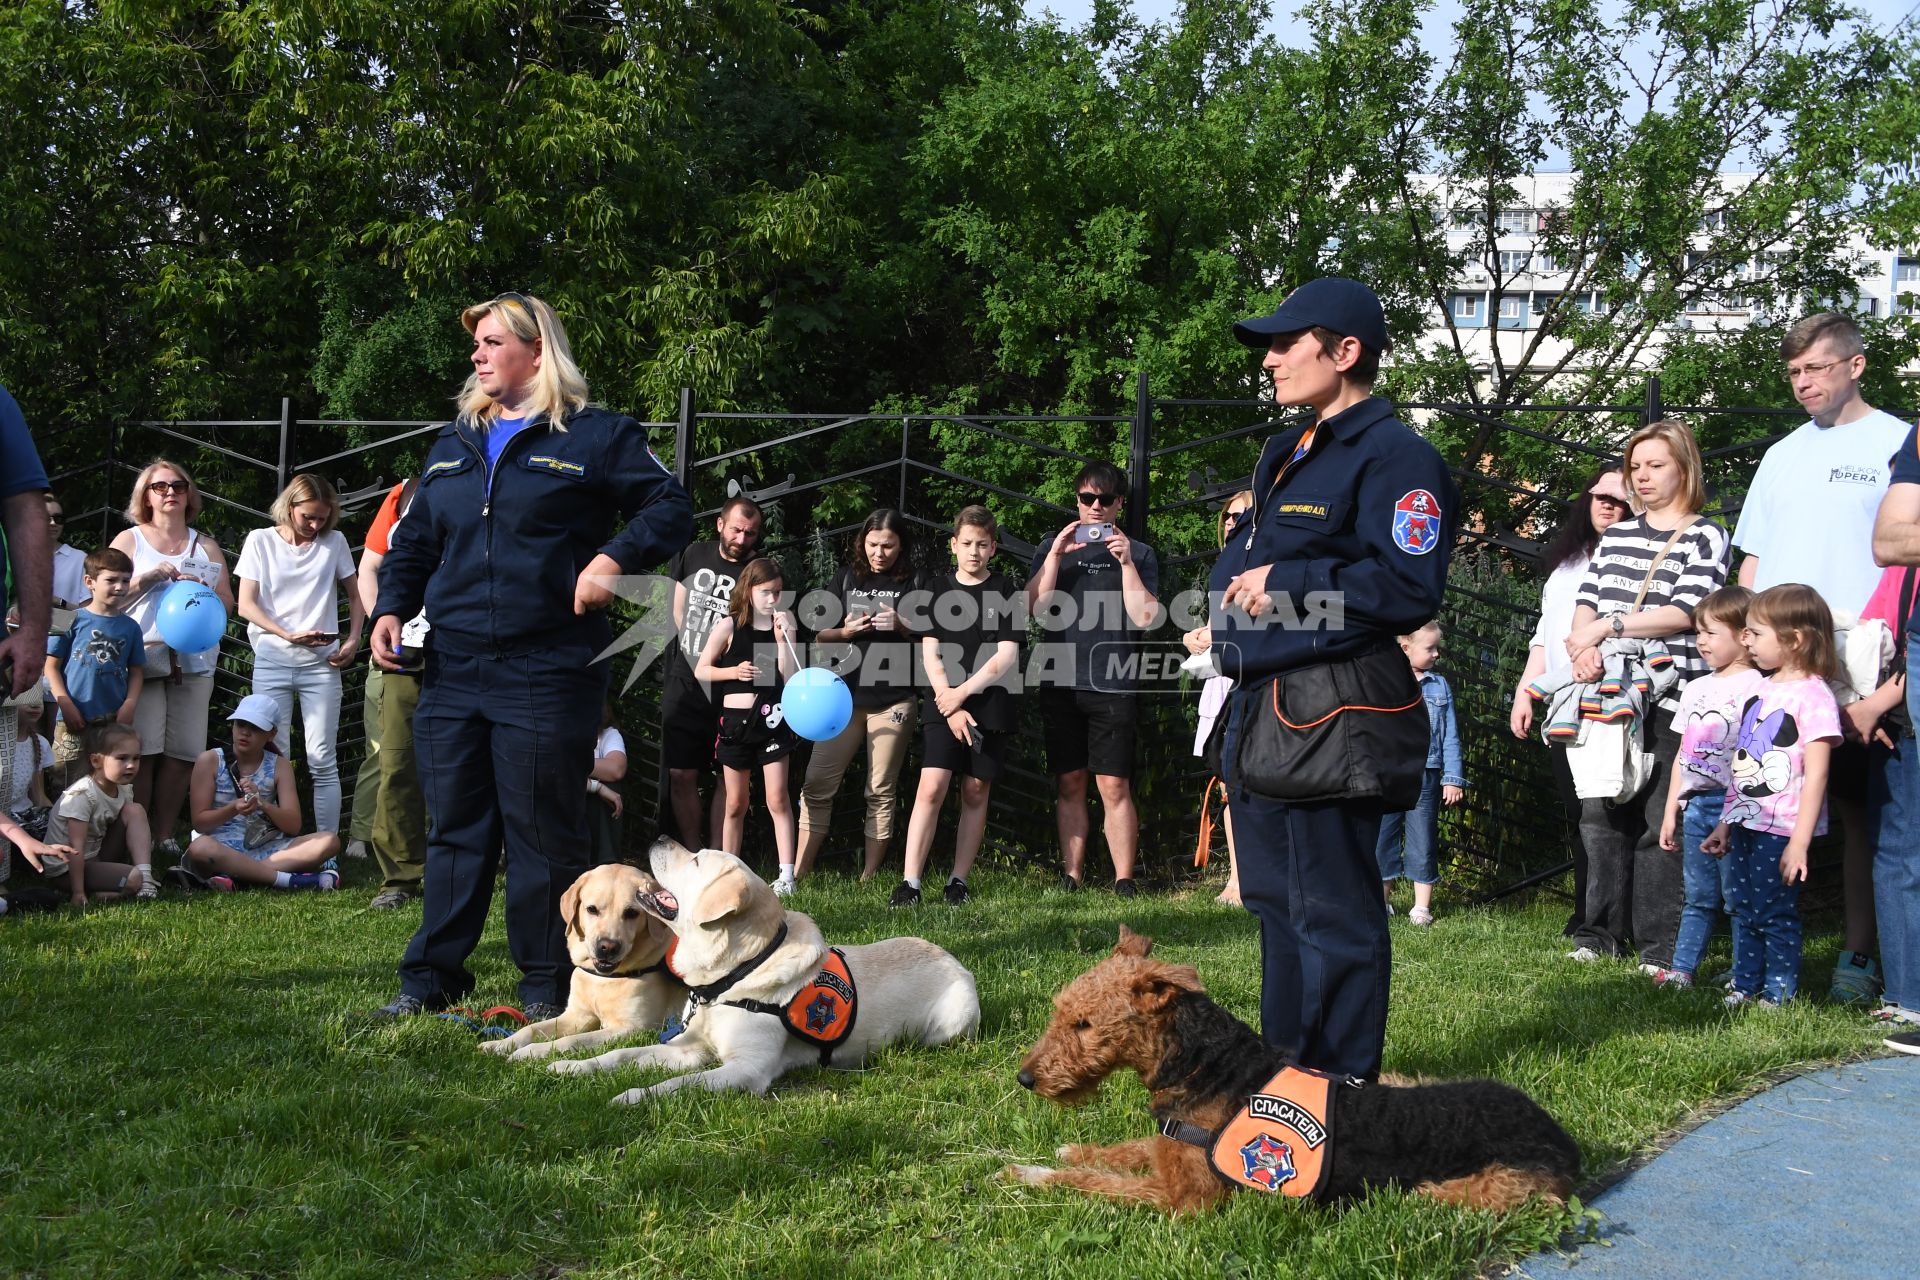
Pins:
<point x="168" y="486"/>
<point x="520" y="298"/>
<point x="1088" y="498"/>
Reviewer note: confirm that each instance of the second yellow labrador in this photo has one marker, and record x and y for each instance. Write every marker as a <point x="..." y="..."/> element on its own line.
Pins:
<point x="620" y="981"/>
<point x="767" y="992"/>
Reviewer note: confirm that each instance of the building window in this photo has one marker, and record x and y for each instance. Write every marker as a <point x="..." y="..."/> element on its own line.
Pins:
<point x="1512" y="309"/>
<point x="1544" y="302"/>
<point x="1908" y="271"/>
<point x="1466" y="307"/>
<point x="1464" y="219"/>
<point x="1514" y="261"/>
<point x="1513" y="222"/>
<point x="1544" y="263"/>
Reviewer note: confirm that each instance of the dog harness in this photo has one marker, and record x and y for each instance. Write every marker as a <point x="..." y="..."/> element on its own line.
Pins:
<point x="821" y="1013"/>
<point x="1279" y="1140"/>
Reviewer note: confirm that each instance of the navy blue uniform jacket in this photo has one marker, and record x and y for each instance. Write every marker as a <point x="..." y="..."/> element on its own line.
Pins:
<point x="494" y="558"/>
<point x="1368" y="515"/>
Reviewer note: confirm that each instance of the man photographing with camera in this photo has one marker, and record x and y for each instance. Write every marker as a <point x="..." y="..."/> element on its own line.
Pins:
<point x="1109" y="584"/>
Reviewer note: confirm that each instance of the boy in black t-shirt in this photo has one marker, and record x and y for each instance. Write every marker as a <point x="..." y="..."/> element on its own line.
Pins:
<point x="970" y="640"/>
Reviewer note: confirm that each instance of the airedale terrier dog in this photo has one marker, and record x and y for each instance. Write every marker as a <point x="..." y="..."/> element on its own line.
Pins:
<point x="1234" y="1113"/>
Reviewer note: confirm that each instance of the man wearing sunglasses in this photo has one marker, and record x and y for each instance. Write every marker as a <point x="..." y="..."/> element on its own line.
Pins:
<point x="69" y="562"/>
<point x="1094" y="589"/>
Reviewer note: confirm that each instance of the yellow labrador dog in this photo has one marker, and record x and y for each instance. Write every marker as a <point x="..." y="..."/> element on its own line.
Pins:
<point x="766" y="992"/>
<point x="620" y="981"/>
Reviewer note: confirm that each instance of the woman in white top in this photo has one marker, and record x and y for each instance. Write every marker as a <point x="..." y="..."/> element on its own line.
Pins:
<point x="1213" y="696"/>
<point x="1600" y="506"/>
<point x="171" y="717"/>
<point x="291" y="579"/>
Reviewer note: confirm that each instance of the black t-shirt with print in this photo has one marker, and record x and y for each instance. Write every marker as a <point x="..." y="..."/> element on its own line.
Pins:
<point x="709" y="578"/>
<point x="969" y="622"/>
<point x="878" y="666"/>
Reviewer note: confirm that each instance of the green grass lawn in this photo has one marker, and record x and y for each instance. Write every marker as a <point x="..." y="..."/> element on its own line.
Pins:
<point x="186" y="1094"/>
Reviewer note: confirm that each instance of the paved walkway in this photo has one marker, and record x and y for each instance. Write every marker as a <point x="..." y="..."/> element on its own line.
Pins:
<point x="1817" y="1177"/>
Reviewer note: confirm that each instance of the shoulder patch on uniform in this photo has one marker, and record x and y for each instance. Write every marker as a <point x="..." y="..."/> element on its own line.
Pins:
<point x="1416" y="522"/>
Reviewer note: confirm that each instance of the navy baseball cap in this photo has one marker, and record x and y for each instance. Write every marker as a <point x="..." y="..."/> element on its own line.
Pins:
<point x="1345" y="306"/>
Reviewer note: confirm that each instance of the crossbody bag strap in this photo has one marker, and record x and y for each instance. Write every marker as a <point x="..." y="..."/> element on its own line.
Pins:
<point x="1657" y="561"/>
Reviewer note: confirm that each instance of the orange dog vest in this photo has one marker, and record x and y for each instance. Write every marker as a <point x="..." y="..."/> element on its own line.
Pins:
<point x="1279" y="1140"/>
<point x="822" y="1012"/>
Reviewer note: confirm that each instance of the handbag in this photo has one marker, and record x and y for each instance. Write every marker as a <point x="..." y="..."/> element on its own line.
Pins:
<point x="1352" y="729"/>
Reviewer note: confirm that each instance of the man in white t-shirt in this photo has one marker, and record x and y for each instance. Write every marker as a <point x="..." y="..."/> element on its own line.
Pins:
<point x="1809" y="518"/>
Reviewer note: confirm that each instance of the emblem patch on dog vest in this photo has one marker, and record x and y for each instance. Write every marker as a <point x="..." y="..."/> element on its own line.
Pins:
<point x="1279" y="1140"/>
<point x="822" y="1013"/>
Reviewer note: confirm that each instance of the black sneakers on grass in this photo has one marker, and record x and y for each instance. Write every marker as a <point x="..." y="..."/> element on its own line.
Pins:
<point x="956" y="893"/>
<point x="904" y="896"/>
<point x="1124" y="889"/>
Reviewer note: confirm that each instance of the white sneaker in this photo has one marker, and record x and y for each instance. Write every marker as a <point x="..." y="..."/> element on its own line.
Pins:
<point x="1585" y="955"/>
<point x="1893" y="1013"/>
<point x="1651" y="970"/>
<point x="1420" y="916"/>
<point x="783" y="887"/>
<point x="355" y="849"/>
<point x="149" y="885"/>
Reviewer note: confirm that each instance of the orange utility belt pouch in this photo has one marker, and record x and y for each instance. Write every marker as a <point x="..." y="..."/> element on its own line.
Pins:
<point x="1281" y="1139"/>
<point x="823" y="1012"/>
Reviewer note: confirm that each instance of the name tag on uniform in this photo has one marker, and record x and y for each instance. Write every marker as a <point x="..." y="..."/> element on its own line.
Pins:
<point x="560" y="466"/>
<point x="1309" y="510"/>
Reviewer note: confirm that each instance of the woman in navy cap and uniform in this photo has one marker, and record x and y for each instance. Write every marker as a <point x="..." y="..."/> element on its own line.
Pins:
<point x="1346" y="549"/>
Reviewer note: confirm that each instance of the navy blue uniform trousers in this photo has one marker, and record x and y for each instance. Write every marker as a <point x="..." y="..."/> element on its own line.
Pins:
<point x="1309" y="876"/>
<point x="504" y="746"/>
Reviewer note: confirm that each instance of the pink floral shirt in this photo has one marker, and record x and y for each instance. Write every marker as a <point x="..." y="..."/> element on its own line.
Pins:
<point x="1768" y="764"/>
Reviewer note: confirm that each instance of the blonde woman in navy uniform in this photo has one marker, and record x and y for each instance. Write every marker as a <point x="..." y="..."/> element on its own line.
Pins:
<point x="511" y="546"/>
<point x="1346" y="548"/>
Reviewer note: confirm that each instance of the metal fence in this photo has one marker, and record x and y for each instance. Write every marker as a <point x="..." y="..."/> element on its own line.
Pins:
<point x="818" y="475"/>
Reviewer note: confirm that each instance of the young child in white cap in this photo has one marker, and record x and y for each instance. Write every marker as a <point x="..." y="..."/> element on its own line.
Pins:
<point x="247" y="812"/>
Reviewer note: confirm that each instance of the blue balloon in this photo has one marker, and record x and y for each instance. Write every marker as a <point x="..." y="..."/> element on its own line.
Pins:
<point x="817" y="703"/>
<point x="191" y="617"/>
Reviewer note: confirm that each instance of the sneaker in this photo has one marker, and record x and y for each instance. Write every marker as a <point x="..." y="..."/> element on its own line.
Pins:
<point x="1673" y="978"/>
<point x="1893" y="1014"/>
<point x="904" y="896"/>
<point x="149" y="886"/>
<point x="542" y="1011"/>
<point x="1585" y="955"/>
<point x="1125" y="889"/>
<point x="1737" y="999"/>
<point x="1905" y="1042"/>
<point x="401" y="1006"/>
<point x="956" y="892"/>
<point x="355" y="849"/>
<point x="1422" y="916"/>
<point x="220" y="884"/>
<point x="170" y="848"/>
<point x="389" y="898"/>
<point x="1651" y="970"/>
<point x="783" y="887"/>
<point x="1068" y="884"/>
<point x="329" y="881"/>
<point x="1726" y="980"/>
<point x="1856" y="980"/>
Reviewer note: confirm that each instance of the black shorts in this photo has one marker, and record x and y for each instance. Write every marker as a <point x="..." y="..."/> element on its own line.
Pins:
<point x="1088" y="730"/>
<point x="939" y="749"/>
<point x="746" y="741"/>
<point x="688" y="726"/>
<point x="1847" y="769"/>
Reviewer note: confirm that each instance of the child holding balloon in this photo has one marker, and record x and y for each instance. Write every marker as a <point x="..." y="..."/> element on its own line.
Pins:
<point x="749" y="656"/>
<point x="95" y="667"/>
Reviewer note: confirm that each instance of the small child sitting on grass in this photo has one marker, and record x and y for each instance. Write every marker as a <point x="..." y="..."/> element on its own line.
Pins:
<point x="245" y="805"/>
<point x="98" y="815"/>
<point x="1409" y="843"/>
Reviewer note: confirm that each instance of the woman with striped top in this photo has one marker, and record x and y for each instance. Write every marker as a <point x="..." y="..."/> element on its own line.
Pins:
<point x="1633" y="886"/>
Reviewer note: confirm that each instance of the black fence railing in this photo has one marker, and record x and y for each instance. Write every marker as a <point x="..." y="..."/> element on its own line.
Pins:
<point x="818" y="475"/>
